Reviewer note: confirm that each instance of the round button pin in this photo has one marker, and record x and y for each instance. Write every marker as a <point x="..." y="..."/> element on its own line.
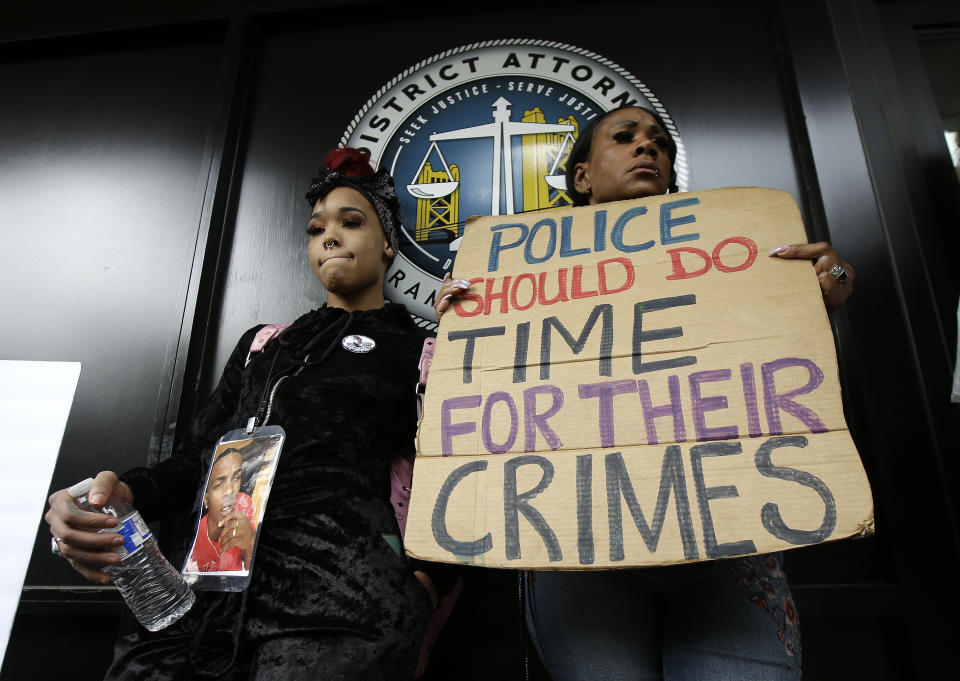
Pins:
<point x="358" y="343"/>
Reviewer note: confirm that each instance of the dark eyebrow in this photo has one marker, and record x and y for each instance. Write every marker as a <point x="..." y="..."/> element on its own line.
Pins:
<point x="636" y="124"/>
<point x="343" y="209"/>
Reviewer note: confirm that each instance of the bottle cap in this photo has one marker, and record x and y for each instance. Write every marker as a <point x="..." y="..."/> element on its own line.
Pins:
<point x="81" y="488"/>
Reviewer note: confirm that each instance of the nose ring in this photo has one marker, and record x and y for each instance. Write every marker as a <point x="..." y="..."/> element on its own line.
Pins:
<point x="330" y="244"/>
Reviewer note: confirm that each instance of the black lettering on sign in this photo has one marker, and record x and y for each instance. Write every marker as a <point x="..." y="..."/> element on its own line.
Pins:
<point x="706" y="494"/>
<point x="514" y="504"/>
<point x="439" y="520"/>
<point x="606" y="339"/>
<point x="770" y="513"/>
<point x="585" y="509"/>
<point x="520" y="353"/>
<point x="471" y="336"/>
<point x="671" y="478"/>
<point x="641" y="336"/>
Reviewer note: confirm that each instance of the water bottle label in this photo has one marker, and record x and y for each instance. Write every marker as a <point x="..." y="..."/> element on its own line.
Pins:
<point x="134" y="531"/>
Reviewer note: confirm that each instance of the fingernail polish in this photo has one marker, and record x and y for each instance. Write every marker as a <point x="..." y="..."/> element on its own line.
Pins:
<point x="462" y="283"/>
<point x="446" y="297"/>
<point x="778" y="249"/>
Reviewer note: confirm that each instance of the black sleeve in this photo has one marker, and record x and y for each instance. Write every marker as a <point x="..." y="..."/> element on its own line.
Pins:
<point x="171" y="487"/>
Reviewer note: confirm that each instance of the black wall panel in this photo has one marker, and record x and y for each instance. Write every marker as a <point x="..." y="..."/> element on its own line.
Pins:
<point x="101" y="162"/>
<point x="117" y="155"/>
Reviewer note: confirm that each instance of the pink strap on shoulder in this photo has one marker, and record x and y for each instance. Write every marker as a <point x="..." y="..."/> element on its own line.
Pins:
<point x="263" y="337"/>
<point x="265" y="334"/>
<point x="426" y="359"/>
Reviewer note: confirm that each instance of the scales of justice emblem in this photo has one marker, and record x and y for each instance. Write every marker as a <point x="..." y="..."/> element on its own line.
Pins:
<point x="501" y="132"/>
<point x="484" y="129"/>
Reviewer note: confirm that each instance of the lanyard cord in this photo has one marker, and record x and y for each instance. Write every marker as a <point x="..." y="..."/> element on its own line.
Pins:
<point x="266" y="405"/>
<point x="266" y="384"/>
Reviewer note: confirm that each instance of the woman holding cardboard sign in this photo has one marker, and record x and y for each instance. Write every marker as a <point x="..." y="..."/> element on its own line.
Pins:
<point x="726" y="619"/>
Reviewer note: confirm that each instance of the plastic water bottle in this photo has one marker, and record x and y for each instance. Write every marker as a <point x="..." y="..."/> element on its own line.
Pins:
<point x="153" y="589"/>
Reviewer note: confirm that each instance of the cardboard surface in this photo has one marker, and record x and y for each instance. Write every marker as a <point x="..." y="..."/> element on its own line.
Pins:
<point x="636" y="383"/>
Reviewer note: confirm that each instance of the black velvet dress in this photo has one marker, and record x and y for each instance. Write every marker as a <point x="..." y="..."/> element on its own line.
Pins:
<point x="329" y="598"/>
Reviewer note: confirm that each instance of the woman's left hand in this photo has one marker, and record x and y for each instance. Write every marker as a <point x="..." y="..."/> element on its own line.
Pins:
<point x="237" y="532"/>
<point x="835" y="274"/>
<point x="449" y="290"/>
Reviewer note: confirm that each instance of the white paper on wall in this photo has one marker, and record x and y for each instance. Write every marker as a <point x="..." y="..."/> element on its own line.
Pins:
<point x="35" y="399"/>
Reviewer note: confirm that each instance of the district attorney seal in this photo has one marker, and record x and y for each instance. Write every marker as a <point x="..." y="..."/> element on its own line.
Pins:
<point x="484" y="129"/>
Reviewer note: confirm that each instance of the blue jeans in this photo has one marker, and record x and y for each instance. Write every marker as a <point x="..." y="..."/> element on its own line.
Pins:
<point x="722" y="620"/>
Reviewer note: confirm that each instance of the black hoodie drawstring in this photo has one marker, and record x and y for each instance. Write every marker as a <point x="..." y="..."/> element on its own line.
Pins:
<point x="266" y="402"/>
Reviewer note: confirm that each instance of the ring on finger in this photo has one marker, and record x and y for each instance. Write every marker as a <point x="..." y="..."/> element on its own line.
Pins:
<point x="839" y="273"/>
<point x="55" y="546"/>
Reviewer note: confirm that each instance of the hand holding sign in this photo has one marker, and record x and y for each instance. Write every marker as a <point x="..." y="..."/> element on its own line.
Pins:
<point x="835" y="275"/>
<point x="623" y="385"/>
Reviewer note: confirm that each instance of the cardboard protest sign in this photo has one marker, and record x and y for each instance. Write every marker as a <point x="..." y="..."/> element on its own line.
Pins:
<point x="634" y="383"/>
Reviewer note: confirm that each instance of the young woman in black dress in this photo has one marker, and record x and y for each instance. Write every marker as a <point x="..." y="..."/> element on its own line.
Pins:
<point x="331" y="596"/>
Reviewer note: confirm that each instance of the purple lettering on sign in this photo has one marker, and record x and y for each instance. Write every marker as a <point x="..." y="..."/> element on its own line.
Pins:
<point x="448" y="429"/>
<point x="488" y="442"/>
<point x="673" y="408"/>
<point x="750" y="397"/>
<point x="776" y="402"/>
<point x="534" y="421"/>
<point x="701" y="405"/>
<point x="606" y="391"/>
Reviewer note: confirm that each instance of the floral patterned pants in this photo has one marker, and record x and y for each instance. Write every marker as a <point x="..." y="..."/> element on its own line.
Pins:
<point x="723" y="620"/>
